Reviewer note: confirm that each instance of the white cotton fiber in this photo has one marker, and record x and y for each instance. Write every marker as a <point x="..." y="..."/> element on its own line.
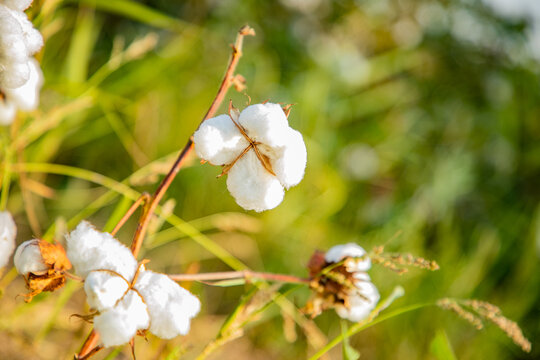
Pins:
<point x="170" y="306"/>
<point x="89" y="249"/>
<point x="8" y="231"/>
<point x="116" y="326"/>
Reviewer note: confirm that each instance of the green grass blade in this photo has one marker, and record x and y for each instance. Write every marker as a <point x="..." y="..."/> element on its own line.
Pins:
<point x="441" y="348"/>
<point x="82" y="42"/>
<point x="135" y="11"/>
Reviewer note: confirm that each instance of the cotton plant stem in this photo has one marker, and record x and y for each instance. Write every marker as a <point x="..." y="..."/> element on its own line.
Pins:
<point x="89" y="347"/>
<point x="244" y="274"/>
<point x="226" y="83"/>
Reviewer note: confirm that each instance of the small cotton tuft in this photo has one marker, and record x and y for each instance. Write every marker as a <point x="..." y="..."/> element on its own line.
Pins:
<point x="89" y="249"/>
<point x="265" y="123"/>
<point x="8" y="231"/>
<point x="252" y="186"/>
<point x="26" y="97"/>
<point x="352" y="250"/>
<point x="116" y="326"/>
<point x="28" y="258"/>
<point x="362" y="301"/>
<point x="103" y="289"/>
<point x="20" y="5"/>
<point x="218" y="141"/>
<point x="171" y="307"/>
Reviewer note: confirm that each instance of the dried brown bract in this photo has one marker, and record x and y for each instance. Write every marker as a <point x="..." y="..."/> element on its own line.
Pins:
<point x="43" y="266"/>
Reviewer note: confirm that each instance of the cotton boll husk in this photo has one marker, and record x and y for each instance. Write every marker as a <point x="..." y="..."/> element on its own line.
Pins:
<point x="26" y="97"/>
<point x="28" y="258"/>
<point x="252" y="186"/>
<point x="20" y="5"/>
<point x="7" y="112"/>
<point x="219" y="141"/>
<point x="290" y="165"/>
<point x="116" y="326"/>
<point x="89" y="249"/>
<point x="339" y="252"/>
<point x="170" y="306"/>
<point x="8" y="231"/>
<point x="103" y="289"/>
<point x="361" y="302"/>
<point x="265" y="123"/>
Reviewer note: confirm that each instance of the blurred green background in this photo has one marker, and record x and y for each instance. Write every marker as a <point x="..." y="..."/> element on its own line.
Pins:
<point x="422" y="123"/>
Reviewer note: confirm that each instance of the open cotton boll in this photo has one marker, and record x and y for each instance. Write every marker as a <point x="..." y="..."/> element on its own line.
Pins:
<point x="89" y="249"/>
<point x="28" y="258"/>
<point x="339" y="252"/>
<point x="362" y="302"/>
<point x="219" y="141"/>
<point x="259" y="150"/>
<point x="8" y="231"/>
<point x="103" y="289"/>
<point x="170" y="306"/>
<point x="290" y="165"/>
<point x="265" y="123"/>
<point x="116" y="326"/>
<point x="20" y="5"/>
<point x="26" y="97"/>
<point x="252" y="186"/>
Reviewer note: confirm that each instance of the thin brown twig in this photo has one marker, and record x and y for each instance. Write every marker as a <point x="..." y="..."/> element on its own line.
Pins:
<point x="243" y="274"/>
<point x="226" y="83"/>
<point x="143" y="199"/>
<point x="89" y="347"/>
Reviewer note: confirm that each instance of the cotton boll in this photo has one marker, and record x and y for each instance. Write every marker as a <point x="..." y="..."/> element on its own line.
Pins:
<point x="265" y="123"/>
<point x="26" y="97"/>
<point x="20" y="5"/>
<point x="339" y="252"/>
<point x="103" y="289"/>
<point x="28" y="258"/>
<point x="118" y="325"/>
<point x="219" y="141"/>
<point x="362" y="302"/>
<point x="89" y="249"/>
<point x="252" y="186"/>
<point x="8" y="231"/>
<point x="170" y="306"/>
<point x="289" y="167"/>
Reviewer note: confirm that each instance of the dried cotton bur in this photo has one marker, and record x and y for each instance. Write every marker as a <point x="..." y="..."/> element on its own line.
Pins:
<point x="339" y="281"/>
<point x="474" y="311"/>
<point x="43" y="266"/>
